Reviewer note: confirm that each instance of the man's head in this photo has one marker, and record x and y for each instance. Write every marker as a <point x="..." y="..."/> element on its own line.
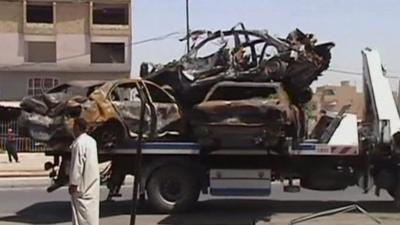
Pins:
<point x="10" y="130"/>
<point x="80" y="127"/>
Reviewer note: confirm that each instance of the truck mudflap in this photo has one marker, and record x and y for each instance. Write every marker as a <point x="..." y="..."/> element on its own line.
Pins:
<point x="240" y="182"/>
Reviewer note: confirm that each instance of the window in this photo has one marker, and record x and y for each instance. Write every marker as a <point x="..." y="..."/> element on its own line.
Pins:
<point x="41" y="52"/>
<point x="329" y="92"/>
<point x="158" y="95"/>
<point x="107" y="53"/>
<point x="233" y="93"/>
<point x="111" y="14"/>
<point x="37" y="86"/>
<point x="39" y="13"/>
<point x="125" y="92"/>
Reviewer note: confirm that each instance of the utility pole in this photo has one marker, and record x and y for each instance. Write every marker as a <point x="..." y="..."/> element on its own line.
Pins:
<point x="187" y="27"/>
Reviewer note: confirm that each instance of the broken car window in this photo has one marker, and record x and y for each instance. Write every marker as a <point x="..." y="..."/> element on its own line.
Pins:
<point x="242" y="93"/>
<point x="211" y="47"/>
<point x="158" y="95"/>
<point x="125" y="92"/>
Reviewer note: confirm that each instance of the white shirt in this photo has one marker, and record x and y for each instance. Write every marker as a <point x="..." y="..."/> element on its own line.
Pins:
<point x="84" y="168"/>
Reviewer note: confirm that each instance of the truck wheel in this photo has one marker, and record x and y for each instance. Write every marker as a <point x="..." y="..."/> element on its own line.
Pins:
<point x="173" y="189"/>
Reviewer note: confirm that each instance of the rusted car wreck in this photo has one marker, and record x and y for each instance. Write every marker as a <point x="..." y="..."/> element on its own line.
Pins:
<point x="246" y="114"/>
<point x="110" y="108"/>
<point x="244" y="56"/>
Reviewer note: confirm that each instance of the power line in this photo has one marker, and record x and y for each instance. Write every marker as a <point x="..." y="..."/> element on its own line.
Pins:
<point x="345" y="72"/>
<point x="159" y="38"/>
<point x="349" y="72"/>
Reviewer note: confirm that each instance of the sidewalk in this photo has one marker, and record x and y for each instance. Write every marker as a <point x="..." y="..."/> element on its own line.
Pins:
<point x="31" y="165"/>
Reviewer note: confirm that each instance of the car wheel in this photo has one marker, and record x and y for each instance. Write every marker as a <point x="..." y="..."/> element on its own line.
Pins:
<point x="173" y="189"/>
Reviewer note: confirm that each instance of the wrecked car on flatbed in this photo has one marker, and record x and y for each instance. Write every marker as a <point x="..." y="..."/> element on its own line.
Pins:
<point x="111" y="109"/>
<point x="246" y="114"/>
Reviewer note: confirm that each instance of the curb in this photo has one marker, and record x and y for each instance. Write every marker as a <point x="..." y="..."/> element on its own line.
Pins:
<point x="10" y="174"/>
<point x="24" y="182"/>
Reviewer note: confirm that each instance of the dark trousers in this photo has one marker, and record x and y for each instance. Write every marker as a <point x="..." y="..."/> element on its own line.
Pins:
<point x="12" y="152"/>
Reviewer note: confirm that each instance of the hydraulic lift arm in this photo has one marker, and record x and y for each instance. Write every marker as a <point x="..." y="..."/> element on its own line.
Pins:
<point x="381" y="110"/>
<point x="384" y="126"/>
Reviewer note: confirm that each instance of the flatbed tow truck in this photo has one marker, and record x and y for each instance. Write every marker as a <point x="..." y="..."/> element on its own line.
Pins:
<point x="344" y="154"/>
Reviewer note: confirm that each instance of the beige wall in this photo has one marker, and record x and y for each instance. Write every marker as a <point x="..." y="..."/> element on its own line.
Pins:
<point x="13" y="85"/>
<point x="72" y="18"/>
<point x="10" y="16"/>
<point x="73" y="49"/>
<point x="11" y="49"/>
<point x="11" y="41"/>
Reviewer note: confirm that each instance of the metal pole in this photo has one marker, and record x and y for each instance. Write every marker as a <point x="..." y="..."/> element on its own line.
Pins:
<point x="187" y="27"/>
<point x="138" y="161"/>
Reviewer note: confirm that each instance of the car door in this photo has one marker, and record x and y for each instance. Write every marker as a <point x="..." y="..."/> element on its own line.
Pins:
<point x="127" y="101"/>
<point x="168" y="114"/>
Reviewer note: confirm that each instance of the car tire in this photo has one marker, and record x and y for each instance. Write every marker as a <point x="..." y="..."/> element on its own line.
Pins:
<point x="172" y="189"/>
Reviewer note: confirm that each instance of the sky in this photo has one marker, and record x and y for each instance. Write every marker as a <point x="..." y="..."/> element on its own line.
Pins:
<point x="351" y="24"/>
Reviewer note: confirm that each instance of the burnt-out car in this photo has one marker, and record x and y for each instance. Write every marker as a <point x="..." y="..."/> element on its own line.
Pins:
<point x="112" y="110"/>
<point x="246" y="114"/>
<point x="243" y="55"/>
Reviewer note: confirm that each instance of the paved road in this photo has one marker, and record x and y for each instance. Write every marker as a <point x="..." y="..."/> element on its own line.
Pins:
<point x="30" y="204"/>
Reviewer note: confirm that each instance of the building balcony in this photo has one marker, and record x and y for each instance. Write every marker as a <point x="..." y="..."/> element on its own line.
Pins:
<point x="39" y="28"/>
<point x="109" y="30"/>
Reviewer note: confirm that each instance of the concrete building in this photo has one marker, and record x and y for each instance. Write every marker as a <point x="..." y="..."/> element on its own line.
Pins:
<point x="45" y="43"/>
<point x="333" y="98"/>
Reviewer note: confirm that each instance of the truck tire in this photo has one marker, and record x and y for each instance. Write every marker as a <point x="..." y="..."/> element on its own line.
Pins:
<point x="173" y="189"/>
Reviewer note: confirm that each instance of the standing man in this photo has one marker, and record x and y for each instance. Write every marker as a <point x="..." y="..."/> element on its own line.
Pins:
<point x="10" y="146"/>
<point x="84" y="177"/>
